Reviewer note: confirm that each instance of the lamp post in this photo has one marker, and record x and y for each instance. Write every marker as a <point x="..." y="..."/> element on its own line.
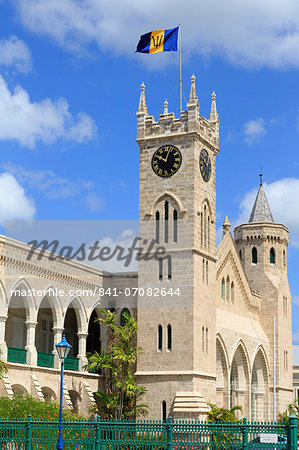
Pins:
<point x="63" y="349"/>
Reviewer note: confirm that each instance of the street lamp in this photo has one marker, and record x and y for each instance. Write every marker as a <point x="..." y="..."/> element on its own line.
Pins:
<point x="63" y="349"/>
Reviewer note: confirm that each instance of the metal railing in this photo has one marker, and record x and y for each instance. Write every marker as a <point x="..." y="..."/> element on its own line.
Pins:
<point x="146" y="434"/>
<point x="45" y="359"/>
<point x="71" y="363"/>
<point x="16" y="355"/>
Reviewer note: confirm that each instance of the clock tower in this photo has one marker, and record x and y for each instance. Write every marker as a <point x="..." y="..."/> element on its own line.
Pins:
<point x="177" y="209"/>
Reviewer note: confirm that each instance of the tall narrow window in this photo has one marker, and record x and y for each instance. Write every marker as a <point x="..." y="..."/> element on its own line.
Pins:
<point x="203" y="270"/>
<point x="160" y="269"/>
<point x="284" y="258"/>
<point x="166" y="209"/>
<point x="175" y="225"/>
<point x="222" y="288"/>
<point x="272" y="256"/>
<point x="201" y="229"/>
<point x="232" y="293"/>
<point x="169" y="337"/>
<point x="240" y="254"/>
<point x="203" y="339"/>
<point x="254" y="255"/>
<point x="207" y="340"/>
<point x="160" y="337"/>
<point x="164" y="411"/>
<point x="205" y="226"/>
<point x="227" y="288"/>
<point x="169" y="264"/>
<point x="123" y="317"/>
<point x="207" y="272"/>
<point x="208" y="232"/>
<point x="157" y="227"/>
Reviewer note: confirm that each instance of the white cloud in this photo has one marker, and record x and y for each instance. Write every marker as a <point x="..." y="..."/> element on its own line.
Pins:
<point x="254" y="130"/>
<point x="14" y="52"/>
<point x="94" y="202"/>
<point x="56" y="187"/>
<point x="46" y="121"/>
<point x="283" y="198"/>
<point x="245" y="33"/>
<point x="295" y="300"/>
<point x="14" y="203"/>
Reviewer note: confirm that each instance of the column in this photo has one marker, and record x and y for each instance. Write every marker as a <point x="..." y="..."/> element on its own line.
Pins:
<point x="30" y="343"/>
<point x="57" y="338"/>
<point x="3" y="346"/>
<point x="82" y="349"/>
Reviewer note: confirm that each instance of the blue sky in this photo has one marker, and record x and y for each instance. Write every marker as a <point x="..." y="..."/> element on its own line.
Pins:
<point x="69" y="90"/>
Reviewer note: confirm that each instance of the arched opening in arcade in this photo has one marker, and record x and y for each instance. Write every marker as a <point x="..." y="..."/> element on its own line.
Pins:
<point x="239" y="381"/>
<point x="259" y="388"/>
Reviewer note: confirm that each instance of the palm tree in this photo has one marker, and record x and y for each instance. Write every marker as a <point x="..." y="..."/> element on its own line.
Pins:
<point x="217" y="415"/>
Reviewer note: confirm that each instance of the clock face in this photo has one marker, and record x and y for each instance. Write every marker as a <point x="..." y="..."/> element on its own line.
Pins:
<point x="205" y="165"/>
<point x="166" y="161"/>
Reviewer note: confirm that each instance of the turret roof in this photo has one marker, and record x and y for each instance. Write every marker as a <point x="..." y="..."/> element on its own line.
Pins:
<point x="261" y="210"/>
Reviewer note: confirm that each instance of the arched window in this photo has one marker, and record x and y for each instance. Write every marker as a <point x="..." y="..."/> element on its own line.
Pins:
<point x="205" y="226"/>
<point x="166" y="209"/>
<point x="160" y="269"/>
<point x="203" y="270"/>
<point x="227" y="288"/>
<point x="169" y="264"/>
<point x="157" y="227"/>
<point x="201" y="229"/>
<point x="160" y="337"/>
<point x="203" y="339"/>
<point x="254" y="255"/>
<point x="169" y="337"/>
<point x="240" y="254"/>
<point x="207" y="340"/>
<point x="207" y="272"/>
<point x="123" y="314"/>
<point x="222" y="288"/>
<point x="175" y="225"/>
<point x="232" y="293"/>
<point x="272" y="256"/>
<point x="208" y="231"/>
<point x="164" y="411"/>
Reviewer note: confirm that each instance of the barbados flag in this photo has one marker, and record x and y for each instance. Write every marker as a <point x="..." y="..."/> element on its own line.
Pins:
<point x="159" y="41"/>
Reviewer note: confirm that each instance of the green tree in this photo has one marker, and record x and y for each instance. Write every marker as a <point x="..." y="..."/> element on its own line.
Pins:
<point x="217" y="414"/>
<point x="121" y="396"/>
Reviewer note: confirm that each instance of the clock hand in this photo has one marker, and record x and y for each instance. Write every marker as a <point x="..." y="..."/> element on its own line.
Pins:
<point x="167" y="156"/>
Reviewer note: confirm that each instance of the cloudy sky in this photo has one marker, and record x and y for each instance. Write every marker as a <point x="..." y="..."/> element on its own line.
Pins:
<point x="69" y="89"/>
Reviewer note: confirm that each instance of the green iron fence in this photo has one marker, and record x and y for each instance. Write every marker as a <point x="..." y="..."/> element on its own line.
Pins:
<point x="71" y="363"/>
<point x="145" y="435"/>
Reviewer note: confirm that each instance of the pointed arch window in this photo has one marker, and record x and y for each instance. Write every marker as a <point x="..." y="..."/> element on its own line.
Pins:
<point x="207" y="272"/>
<point x="272" y="256"/>
<point x="201" y="229"/>
<point x="284" y="258"/>
<point x="254" y="255"/>
<point x="123" y="318"/>
<point x="160" y="337"/>
<point x="240" y="254"/>
<point x="207" y="340"/>
<point x="203" y="339"/>
<point x="164" y="411"/>
<point x="160" y="262"/>
<point x="227" y="288"/>
<point x="205" y="226"/>
<point x="169" y="337"/>
<point x="203" y="270"/>
<point x="157" y="227"/>
<point x="169" y="264"/>
<point x="222" y="288"/>
<point x="175" y="225"/>
<point x="166" y="214"/>
<point x="232" y="292"/>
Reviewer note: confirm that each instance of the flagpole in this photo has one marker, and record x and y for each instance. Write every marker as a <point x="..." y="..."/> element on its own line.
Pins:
<point x="180" y="64"/>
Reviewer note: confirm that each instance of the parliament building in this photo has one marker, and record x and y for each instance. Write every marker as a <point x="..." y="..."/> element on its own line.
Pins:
<point x="216" y="325"/>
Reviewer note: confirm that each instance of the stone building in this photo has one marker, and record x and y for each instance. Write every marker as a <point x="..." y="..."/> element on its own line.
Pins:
<point x="205" y="312"/>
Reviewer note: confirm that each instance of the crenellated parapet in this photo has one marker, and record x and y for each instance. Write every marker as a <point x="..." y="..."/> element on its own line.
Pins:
<point x="190" y="120"/>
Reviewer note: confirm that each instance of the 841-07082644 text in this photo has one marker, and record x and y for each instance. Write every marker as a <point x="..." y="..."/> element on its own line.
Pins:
<point x="139" y="291"/>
